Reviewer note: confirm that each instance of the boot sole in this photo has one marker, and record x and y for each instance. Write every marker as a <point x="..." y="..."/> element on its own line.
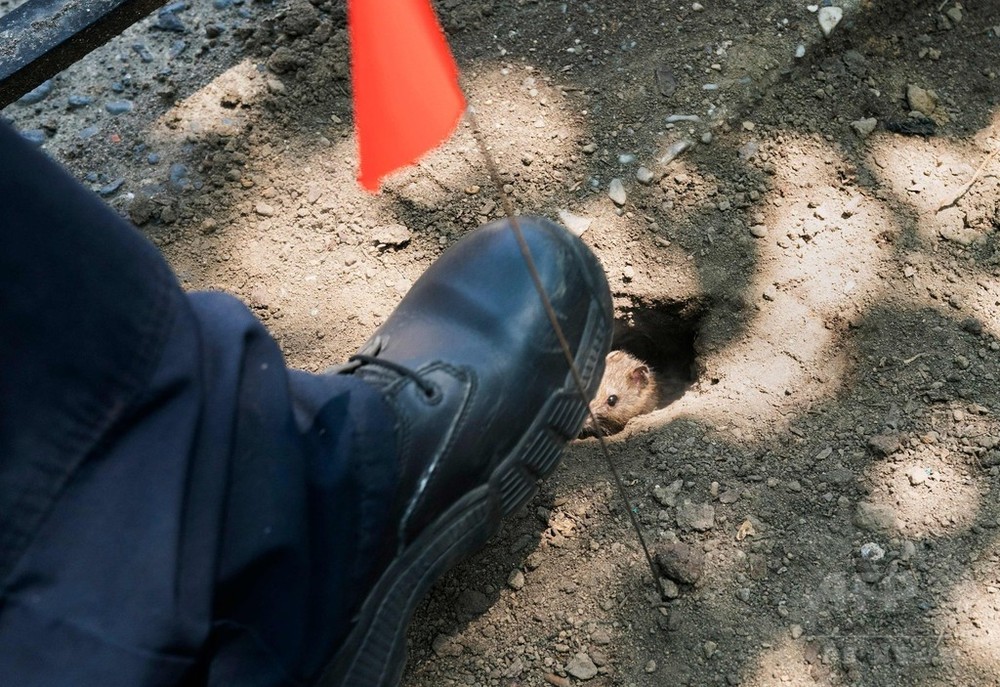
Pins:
<point x="374" y="653"/>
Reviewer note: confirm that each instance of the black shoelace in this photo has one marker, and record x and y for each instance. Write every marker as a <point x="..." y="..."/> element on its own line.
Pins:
<point x="429" y="389"/>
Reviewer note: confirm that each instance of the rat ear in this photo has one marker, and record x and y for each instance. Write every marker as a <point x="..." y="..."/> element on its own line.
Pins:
<point x="639" y="376"/>
<point x="614" y="355"/>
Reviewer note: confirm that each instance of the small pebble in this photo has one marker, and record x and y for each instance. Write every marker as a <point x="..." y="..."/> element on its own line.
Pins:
<point x="166" y="20"/>
<point x="650" y="666"/>
<point x="264" y="210"/>
<point x="575" y="223"/>
<point x="758" y="230"/>
<point x="117" y="107"/>
<point x="37" y="94"/>
<point x="697" y="7"/>
<point x="581" y="666"/>
<point x="516" y="580"/>
<point x="673" y="150"/>
<point x="864" y="127"/>
<point x="626" y="159"/>
<point x="34" y="136"/>
<point x="143" y="52"/>
<point x="177" y="47"/>
<point x="616" y="191"/>
<point x="828" y="18"/>
<point x="110" y="188"/>
<point x="589" y="148"/>
<point x="644" y="176"/>
<point x="916" y="475"/>
<point x="77" y="101"/>
<point x="796" y="631"/>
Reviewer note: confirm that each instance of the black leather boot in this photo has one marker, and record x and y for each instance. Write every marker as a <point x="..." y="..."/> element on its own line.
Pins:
<point x="484" y="402"/>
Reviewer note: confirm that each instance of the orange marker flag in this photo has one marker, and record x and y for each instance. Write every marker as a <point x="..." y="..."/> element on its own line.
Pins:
<point x="406" y="95"/>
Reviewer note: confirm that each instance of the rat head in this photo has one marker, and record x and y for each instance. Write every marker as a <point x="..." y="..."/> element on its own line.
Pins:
<point x="628" y="389"/>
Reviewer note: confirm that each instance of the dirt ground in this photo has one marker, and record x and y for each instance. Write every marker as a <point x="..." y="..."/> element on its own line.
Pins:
<point x="823" y="495"/>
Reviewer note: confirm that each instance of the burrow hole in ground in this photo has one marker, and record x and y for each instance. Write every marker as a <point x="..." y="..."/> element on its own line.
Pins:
<point x="663" y="334"/>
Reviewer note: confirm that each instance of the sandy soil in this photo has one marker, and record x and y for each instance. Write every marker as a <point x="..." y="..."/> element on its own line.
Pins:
<point x="823" y="496"/>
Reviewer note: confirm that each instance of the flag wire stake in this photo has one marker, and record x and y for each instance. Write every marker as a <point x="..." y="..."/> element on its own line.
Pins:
<point x="508" y="208"/>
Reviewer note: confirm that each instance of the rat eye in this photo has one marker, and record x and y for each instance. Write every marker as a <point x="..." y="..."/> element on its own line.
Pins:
<point x="612" y="401"/>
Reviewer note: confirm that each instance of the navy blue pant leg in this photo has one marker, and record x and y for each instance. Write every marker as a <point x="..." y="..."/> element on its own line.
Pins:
<point x="177" y="506"/>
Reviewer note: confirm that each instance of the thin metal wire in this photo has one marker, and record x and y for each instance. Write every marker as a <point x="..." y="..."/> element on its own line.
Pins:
<point x="508" y="208"/>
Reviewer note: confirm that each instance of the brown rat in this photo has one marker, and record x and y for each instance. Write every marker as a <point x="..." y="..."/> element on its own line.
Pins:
<point x="628" y="388"/>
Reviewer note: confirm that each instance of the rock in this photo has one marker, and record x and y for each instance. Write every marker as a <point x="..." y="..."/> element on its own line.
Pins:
<point x="673" y="150"/>
<point x="650" y="666"/>
<point x="828" y="18"/>
<point x="616" y="192"/>
<point x="300" y="19"/>
<point x="963" y="236"/>
<point x="697" y="7"/>
<point x="143" y="52"/>
<point x="916" y="475"/>
<point x="644" y="176"/>
<point x="770" y="292"/>
<point x="601" y="637"/>
<point x="176" y="48"/>
<point x="444" y="646"/>
<point x="515" y="668"/>
<point x="111" y="187"/>
<point x="516" y="580"/>
<point x="954" y="14"/>
<point x="695" y="516"/>
<point x="178" y="176"/>
<point x="758" y="231"/>
<point x="167" y="20"/>
<point x="37" y="94"/>
<point x="34" y="136"/>
<point x="680" y="562"/>
<point x="667" y="496"/>
<point x="282" y="60"/>
<point x="264" y="209"/>
<point x="669" y="589"/>
<point x="575" y="223"/>
<point x="856" y="63"/>
<point x="709" y="648"/>
<point x="76" y="101"/>
<point x="557" y="680"/>
<point x="864" y="127"/>
<point x="117" y="107"/>
<point x="972" y="326"/>
<point x="666" y="82"/>
<point x="884" y="444"/>
<point x="912" y="126"/>
<point x="581" y="667"/>
<point x="626" y="158"/>
<point x="275" y="87"/>
<point x="729" y="496"/>
<point x="795" y="630"/>
<point x="923" y="101"/>
<point x="628" y="273"/>
<point x="395" y="235"/>
<point x="872" y="517"/>
<point x="589" y="148"/>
